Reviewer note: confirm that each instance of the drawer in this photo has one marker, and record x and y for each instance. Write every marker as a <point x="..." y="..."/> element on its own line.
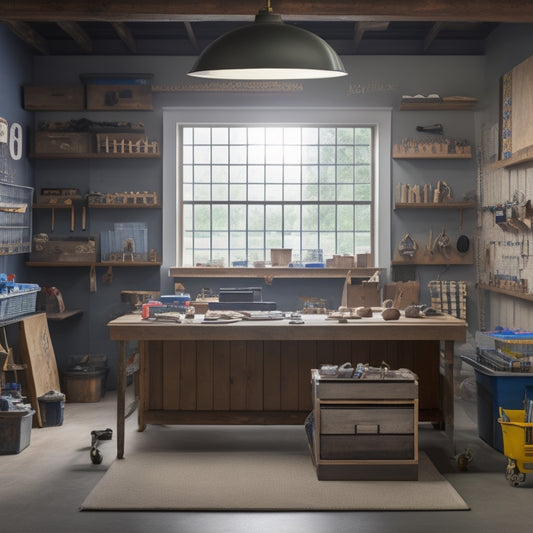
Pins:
<point x="367" y="447"/>
<point x="368" y="419"/>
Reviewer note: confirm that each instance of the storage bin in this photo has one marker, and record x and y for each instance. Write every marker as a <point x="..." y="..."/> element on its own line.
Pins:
<point x="15" y="430"/>
<point x="52" y="407"/>
<point x="495" y="390"/>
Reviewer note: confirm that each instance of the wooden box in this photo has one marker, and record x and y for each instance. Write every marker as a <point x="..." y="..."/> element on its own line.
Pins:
<point x="365" y="428"/>
<point x="63" y="142"/>
<point x="119" y="98"/>
<point x="54" y="98"/>
<point x="67" y="249"/>
<point x="367" y="294"/>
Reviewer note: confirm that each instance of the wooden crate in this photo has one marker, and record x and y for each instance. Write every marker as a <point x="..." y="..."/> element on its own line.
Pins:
<point x="119" y="97"/>
<point x="63" y="142"/>
<point x="48" y="248"/>
<point x="54" y="98"/>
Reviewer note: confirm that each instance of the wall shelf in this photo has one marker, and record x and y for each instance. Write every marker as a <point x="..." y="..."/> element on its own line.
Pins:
<point x="507" y="292"/>
<point x="275" y="272"/>
<point x="435" y="205"/>
<point x="62" y="264"/>
<point x="518" y="158"/>
<point x="95" y="155"/>
<point x="430" y="156"/>
<point x="455" y="105"/>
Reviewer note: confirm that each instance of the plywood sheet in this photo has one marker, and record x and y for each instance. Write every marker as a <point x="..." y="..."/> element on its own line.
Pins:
<point x="522" y="102"/>
<point x="38" y="354"/>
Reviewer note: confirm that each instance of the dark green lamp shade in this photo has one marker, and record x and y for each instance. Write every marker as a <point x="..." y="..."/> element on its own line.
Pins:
<point x="268" y="50"/>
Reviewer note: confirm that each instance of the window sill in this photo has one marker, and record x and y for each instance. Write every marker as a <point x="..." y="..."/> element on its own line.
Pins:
<point x="276" y="272"/>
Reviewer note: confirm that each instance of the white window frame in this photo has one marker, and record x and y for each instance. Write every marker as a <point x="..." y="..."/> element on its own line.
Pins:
<point x="176" y="117"/>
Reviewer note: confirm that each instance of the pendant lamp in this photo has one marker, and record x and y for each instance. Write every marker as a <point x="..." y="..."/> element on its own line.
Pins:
<point x="268" y="49"/>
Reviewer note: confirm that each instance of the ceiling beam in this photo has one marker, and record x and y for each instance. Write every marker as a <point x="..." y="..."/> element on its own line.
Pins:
<point x="190" y="34"/>
<point x="432" y="35"/>
<point x="361" y="27"/>
<point x="125" y="35"/>
<point x="193" y="10"/>
<point x="77" y="34"/>
<point x="24" y="32"/>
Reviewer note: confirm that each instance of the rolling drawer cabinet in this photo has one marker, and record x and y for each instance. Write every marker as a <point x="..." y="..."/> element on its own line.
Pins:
<point x="366" y="429"/>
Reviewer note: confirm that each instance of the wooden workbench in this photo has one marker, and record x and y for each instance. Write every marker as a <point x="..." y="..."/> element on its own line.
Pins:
<point x="257" y="372"/>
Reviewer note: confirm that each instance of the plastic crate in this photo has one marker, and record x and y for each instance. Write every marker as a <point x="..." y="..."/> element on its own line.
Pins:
<point x="495" y="390"/>
<point x="19" y="302"/>
<point x="519" y="344"/>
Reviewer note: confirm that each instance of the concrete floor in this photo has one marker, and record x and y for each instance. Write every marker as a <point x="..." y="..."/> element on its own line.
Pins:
<point x="42" y="487"/>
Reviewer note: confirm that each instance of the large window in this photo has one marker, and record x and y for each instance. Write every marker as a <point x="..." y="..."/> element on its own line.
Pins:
<point x="247" y="189"/>
<point x="238" y="181"/>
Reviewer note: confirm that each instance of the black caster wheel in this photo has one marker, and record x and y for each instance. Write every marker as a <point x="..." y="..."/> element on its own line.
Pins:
<point x="96" y="456"/>
<point x="96" y="437"/>
<point x="513" y="475"/>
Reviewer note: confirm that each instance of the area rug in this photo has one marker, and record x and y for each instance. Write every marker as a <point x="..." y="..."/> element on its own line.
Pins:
<point x="256" y="481"/>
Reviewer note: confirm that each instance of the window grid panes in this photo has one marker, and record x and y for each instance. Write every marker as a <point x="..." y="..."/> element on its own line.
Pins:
<point x="246" y="190"/>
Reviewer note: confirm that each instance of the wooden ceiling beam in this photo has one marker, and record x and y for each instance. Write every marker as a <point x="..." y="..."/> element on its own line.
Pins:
<point x="24" y="32"/>
<point x="190" y="34"/>
<point x="432" y="35"/>
<point x="76" y="32"/>
<point x="125" y="35"/>
<point x="193" y="10"/>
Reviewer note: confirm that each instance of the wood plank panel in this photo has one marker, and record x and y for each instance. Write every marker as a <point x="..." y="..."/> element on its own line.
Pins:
<point x="221" y="381"/>
<point x="289" y="376"/>
<point x="254" y="375"/>
<point x="342" y="352"/>
<point x="324" y="351"/>
<point x="306" y="362"/>
<point x="271" y="375"/>
<point x="155" y="399"/>
<point x="238" y="375"/>
<point x="204" y="375"/>
<point x="187" y="386"/>
<point x="171" y="373"/>
<point x="426" y="367"/>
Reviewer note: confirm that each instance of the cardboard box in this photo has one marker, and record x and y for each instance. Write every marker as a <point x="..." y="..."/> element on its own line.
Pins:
<point x="366" y="294"/>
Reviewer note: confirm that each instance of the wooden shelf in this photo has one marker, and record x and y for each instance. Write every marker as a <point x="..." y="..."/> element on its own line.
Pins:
<point x="456" y="105"/>
<point x="90" y="264"/>
<point x="276" y="272"/>
<point x="429" y="156"/>
<point x="57" y="317"/>
<point x="99" y="206"/>
<point x="95" y="156"/>
<point x="432" y="205"/>
<point x="518" y="158"/>
<point x="514" y="294"/>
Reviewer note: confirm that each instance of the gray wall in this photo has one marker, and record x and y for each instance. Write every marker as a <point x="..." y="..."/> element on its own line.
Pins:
<point x="373" y="82"/>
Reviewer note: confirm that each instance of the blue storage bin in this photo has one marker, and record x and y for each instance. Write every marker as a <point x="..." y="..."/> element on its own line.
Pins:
<point x="494" y="390"/>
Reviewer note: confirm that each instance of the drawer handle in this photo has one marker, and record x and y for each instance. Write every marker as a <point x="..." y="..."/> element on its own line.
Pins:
<point x="366" y="429"/>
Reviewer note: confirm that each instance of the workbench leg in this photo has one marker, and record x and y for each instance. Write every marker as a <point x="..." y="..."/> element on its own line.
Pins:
<point x="448" y="393"/>
<point x="121" y="397"/>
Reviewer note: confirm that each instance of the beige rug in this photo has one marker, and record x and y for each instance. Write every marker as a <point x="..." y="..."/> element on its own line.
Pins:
<point x="251" y="477"/>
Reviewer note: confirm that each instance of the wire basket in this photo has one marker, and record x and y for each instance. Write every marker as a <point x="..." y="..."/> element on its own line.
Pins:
<point x="18" y="303"/>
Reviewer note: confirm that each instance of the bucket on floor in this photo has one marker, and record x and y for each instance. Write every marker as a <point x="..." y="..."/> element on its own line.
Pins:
<point x="15" y="430"/>
<point x="52" y="407"/>
<point x="84" y="385"/>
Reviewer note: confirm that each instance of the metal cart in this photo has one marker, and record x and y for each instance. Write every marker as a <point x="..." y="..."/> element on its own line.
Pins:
<point x="517" y="444"/>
